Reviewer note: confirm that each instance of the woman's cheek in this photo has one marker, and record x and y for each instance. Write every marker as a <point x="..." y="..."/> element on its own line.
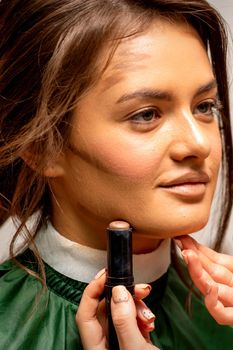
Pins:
<point x="216" y="155"/>
<point x="127" y="161"/>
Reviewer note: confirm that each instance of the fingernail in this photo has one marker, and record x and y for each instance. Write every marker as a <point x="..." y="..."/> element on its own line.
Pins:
<point x="179" y="243"/>
<point x="120" y="294"/>
<point x="151" y="325"/>
<point x="100" y="273"/>
<point x="145" y="311"/>
<point x="185" y="257"/>
<point x="148" y="314"/>
<point x="144" y="286"/>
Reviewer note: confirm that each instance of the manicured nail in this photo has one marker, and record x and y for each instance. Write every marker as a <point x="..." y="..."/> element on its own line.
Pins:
<point x="148" y="314"/>
<point x="151" y="325"/>
<point x="120" y="294"/>
<point x="145" y="311"/>
<point x="100" y="273"/>
<point x="144" y="286"/>
<point x="185" y="257"/>
<point x="179" y="243"/>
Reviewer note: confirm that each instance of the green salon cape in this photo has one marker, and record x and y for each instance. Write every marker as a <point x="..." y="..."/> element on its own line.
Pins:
<point x="32" y="319"/>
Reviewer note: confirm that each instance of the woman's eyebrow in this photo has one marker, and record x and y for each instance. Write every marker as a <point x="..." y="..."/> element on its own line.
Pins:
<point x="146" y="93"/>
<point x="206" y="87"/>
<point x="164" y="95"/>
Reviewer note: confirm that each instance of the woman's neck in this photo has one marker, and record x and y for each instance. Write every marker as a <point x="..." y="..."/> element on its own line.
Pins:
<point x="82" y="262"/>
<point x="91" y="234"/>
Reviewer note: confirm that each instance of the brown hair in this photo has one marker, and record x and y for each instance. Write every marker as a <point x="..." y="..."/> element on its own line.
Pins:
<point x="49" y="52"/>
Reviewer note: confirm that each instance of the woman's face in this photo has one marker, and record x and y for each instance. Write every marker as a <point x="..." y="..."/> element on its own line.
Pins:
<point x="145" y="145"/>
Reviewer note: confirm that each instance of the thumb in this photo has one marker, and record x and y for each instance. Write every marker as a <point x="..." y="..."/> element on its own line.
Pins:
<point x="125" y="322"/>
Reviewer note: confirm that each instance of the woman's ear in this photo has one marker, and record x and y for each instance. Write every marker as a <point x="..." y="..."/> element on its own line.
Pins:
<point x="52" y="168"/>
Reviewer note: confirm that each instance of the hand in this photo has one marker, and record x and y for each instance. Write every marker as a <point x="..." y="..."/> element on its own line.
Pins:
<point x="212" y="273"/>
<point x="132" y="319"/>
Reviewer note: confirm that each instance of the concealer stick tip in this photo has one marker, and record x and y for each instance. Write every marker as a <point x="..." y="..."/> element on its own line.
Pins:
<point x="119" y="225"/>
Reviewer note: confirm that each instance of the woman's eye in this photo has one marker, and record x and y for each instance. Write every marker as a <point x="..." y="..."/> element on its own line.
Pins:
<point x="208" y="108"/>
<point x="146" y="116"/>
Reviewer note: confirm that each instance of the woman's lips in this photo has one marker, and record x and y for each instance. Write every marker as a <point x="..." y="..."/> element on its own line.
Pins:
<point x="188" y="186"/>
<point x="188" y="190"/>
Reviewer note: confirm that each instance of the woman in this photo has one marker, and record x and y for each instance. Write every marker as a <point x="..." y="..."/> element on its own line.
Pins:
<point x="109" y="110"/>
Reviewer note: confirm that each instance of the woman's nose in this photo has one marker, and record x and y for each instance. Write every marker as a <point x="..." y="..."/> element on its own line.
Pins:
<point x="191" y="139"/>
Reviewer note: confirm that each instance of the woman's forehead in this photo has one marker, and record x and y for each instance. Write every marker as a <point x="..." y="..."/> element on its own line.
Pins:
<point x="156" y="50"/>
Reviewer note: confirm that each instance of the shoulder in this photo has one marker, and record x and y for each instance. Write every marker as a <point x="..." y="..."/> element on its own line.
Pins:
<point x="32" y="306"/>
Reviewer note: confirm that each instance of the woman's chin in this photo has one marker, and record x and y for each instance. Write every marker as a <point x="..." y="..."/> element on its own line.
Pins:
<point x="158" y="232"/>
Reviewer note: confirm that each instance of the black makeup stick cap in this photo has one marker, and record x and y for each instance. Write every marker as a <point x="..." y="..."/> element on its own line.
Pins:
<point x="119" y="268"/>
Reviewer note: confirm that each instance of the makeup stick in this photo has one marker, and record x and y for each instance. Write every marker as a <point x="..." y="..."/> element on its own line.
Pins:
<point x="119" y="268"/>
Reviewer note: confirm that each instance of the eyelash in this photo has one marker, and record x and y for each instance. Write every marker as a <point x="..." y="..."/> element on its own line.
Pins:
<point x="214" y="106"/>
<point x="213" y="109"/>
<point x="134" y="118"/>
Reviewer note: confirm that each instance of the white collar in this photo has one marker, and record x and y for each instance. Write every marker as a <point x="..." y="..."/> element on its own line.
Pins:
<point x="82" y="263"/>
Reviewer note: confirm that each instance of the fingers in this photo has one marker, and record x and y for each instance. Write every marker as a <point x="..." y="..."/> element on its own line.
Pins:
<point x="215" y="264"/>
<point x="124" y="319"/>
<point x="137" y="320"/>
<point x="218" y="258"/>
<point x="218" y="272"/>
<point x="91" y="296"/>
<point x="211" y="298"/>
<point x="211" y="272"/>
<point x="141" y="291"/>
<point x="187" y="242"/>
<point x="223" y="315"/>
<point x="86" y="317"/>
<point x="199" y="276"/>
<point x="145" y="318"/>
<point x="202" y="278"/>
<point x="225" y="295"/>
<point x="221" y="259"/>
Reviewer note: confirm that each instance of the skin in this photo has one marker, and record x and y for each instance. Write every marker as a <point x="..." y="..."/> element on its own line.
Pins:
<point x="119" y="161"/>
<point x="124" y="317"/>
<point x="212" y="273"/>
